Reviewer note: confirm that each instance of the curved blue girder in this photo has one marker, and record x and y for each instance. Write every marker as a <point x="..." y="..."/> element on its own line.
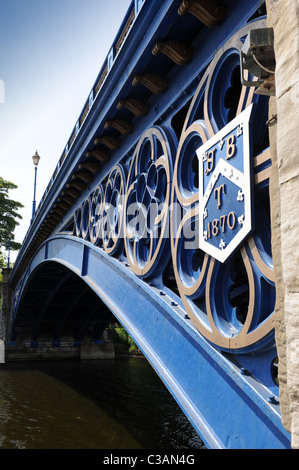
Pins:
<point x="213" y="390"/>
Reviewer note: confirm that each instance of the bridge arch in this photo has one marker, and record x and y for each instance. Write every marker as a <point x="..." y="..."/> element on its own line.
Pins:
<point x="188" y="365"/>
<point x="56" y="303"/>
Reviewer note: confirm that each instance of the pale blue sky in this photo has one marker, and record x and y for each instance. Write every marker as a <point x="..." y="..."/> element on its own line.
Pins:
<point x="50" y="54"/>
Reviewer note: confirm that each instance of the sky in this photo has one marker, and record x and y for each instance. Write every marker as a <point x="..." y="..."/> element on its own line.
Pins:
<point x="51" y="52"/>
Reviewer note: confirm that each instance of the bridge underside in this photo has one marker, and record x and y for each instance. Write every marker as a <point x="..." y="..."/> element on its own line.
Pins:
<point x="58" y="305"/>
<point x="68" y="287"/>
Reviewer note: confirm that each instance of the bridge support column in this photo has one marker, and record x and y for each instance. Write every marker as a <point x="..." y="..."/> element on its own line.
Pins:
<point x="5" y="313"/>
<point x="283" y="16"/>
<point x="2" y="352"/>
<point x="100" y="350"/>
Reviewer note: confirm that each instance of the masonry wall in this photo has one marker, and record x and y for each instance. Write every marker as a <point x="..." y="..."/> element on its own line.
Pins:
<point x="283" y="16"/>
<point x="5" y="316"/>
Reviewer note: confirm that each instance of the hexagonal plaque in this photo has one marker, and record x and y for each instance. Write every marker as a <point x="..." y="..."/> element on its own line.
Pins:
<point x="225" y="188"/>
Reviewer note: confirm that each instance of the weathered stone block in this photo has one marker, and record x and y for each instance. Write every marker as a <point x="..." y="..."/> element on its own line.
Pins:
<point x="2" y="352"/>
<point x="103" y="350"/>
<point x="283" y="16"/>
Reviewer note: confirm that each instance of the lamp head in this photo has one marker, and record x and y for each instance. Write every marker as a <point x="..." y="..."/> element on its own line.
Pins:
<point x="36" y="158"/>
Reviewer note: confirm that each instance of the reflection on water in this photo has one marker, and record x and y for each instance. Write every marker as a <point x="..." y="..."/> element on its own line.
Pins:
<point x="107" y="404"/>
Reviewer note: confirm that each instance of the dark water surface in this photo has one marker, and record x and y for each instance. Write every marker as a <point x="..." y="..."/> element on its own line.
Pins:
<point x="102" y="404"/>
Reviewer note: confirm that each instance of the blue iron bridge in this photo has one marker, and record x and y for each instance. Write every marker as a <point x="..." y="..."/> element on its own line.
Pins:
<point x="158" y="214"/>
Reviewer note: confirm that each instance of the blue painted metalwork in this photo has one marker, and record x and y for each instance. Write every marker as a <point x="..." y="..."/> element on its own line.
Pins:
<point x="228" y="408"/>
<point x="117" y="229"/>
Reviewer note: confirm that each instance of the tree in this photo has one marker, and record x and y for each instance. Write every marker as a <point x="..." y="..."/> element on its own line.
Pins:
<point x="2" y="265"/>
<point x="8" y="215"/>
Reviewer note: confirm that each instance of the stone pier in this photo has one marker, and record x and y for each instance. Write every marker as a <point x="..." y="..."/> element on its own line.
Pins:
<point x="5" y="312"/>
<point x="2" y="352"/>
<point x="47" y="350"/>
<point x="283" y="16"/>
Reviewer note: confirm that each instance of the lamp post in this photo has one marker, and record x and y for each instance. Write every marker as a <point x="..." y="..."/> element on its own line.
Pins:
<point x="8" y="255"/>
<point x="35" y="159"/>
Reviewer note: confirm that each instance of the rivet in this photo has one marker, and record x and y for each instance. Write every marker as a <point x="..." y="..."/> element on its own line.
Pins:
<point x="272" y="399"/>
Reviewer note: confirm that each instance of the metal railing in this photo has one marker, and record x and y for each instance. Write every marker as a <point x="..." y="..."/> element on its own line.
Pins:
<point x="132" y="13"/>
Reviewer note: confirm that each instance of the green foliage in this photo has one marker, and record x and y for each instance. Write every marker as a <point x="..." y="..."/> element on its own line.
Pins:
<point x="3" y="262"/>
<point x="8" y="215"/>
<point x="2" y="265"/>
<point x="120" y="335"/>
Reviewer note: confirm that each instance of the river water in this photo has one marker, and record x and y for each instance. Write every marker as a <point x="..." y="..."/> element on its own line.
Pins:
<point x="101" y="404"/>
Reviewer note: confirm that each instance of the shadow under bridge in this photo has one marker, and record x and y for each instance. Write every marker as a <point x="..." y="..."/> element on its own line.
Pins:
<point x="57" y="305"/>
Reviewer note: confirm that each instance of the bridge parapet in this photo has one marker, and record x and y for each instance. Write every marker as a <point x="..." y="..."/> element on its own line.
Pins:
<point x="94" y="138"/>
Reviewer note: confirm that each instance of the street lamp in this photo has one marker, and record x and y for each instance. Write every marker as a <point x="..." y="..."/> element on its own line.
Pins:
<point x="35" y="159"/>
<point x="8" y="255"/>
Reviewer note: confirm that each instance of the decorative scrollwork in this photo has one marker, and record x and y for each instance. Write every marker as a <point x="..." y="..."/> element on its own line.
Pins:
<point x="113" y="210"/>
<point x="179" y="52"/>
<point x="209" y="12"/>
<point x="147" y="203"/>
<point x="232" y="303"/>
<point x="96" y="216"/>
